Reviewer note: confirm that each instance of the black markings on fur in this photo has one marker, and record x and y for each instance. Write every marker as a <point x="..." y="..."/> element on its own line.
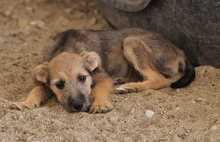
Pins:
<point x="61" y="40"/>
<point x="187" y="78"/>
<point x="160" y="65"/>
<point x="48" y="91"/>
<point x="181" y="67"/>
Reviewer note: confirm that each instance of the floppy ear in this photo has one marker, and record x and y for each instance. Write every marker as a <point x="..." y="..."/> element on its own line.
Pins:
<point x="41" y="73"/>
<point x="91" y="60"/>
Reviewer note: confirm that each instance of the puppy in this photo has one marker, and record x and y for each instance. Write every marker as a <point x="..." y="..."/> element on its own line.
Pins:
<point x="82" y="66"/>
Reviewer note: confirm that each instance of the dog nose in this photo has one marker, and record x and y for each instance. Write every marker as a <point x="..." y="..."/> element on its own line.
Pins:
<point x="76" y="103"/>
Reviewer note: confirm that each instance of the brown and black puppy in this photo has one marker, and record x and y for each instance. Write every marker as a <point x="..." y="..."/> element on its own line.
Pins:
<point x="82" y="65"/>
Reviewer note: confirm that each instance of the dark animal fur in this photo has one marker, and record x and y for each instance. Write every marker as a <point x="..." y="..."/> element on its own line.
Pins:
<point x="108" y="44"/>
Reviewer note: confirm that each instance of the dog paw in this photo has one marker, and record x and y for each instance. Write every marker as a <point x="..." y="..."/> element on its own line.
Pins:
<point x="101" y="106"/>
<point x="126" y="88"/>
<point x="23" y="105"/>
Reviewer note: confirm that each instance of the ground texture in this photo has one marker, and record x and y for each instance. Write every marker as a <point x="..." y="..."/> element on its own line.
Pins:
<point x="191" y="114"/>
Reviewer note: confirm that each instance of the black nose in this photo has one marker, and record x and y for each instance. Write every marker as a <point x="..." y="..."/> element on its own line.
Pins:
<point x="76" y="103"/>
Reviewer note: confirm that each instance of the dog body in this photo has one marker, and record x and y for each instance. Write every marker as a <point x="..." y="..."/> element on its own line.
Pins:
<point x="137" y="58"/>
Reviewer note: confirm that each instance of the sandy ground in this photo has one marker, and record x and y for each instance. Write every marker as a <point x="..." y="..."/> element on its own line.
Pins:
<point x="191" y="114"/>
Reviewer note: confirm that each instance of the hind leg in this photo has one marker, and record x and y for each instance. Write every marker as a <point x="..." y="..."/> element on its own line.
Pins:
<point x="155" y="81"/>
<point x="139" y="55"/>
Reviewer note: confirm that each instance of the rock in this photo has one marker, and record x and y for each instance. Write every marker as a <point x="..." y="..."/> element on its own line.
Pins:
<point x="215" y="127"/>
<point x="38" y="23"/>
<point x="149" y="113"/>
<point x="200" y="100"/>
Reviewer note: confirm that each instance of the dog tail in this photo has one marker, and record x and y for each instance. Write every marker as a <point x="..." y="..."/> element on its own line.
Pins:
<point x="187" y="78"/>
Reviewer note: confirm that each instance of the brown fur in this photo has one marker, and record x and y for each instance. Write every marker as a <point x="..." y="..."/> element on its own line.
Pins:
<point x="142" y="59"/>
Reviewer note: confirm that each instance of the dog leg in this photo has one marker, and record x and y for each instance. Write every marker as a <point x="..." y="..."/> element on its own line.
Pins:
<point x="155" y="81"/>
<point x="139" y="55"/>
<point x="37" y="96"/>
<point x="102" y="93"/>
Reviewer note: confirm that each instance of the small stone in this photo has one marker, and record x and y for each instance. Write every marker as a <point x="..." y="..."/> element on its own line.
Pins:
<point x="38" y="23"/>
<point x="178" y="90"/>
<point x="215" y="127"/>
<point x="149" y="113"/>
<point x="200" y="100"/>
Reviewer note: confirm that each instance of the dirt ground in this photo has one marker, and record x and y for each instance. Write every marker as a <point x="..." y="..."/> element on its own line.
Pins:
<point x="191" y="114"/>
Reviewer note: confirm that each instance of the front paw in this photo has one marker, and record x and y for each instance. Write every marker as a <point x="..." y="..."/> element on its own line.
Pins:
<point x="101" y="106"/>
<point x="23" y="105"/>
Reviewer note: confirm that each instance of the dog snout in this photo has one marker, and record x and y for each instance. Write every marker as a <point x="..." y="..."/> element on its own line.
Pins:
<point x="75" y="103"/>
<point x="79" y="103"/>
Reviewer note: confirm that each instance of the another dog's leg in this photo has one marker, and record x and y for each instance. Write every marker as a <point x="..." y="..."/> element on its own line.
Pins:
<point x="140" y="56"/>
<point x="37" y="96"/>
<point x="102" y="93"/>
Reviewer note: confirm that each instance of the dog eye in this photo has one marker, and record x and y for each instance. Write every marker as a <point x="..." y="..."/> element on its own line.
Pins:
<point x="82" y="78"/>
<point x="60" y="84"/>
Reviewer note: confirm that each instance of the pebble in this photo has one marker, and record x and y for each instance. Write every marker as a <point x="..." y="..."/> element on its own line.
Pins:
<point x="38" y="23"/>
<point x="200" y="100"/>
<point x="149" y="113"/>
<point x="215" y="127"/>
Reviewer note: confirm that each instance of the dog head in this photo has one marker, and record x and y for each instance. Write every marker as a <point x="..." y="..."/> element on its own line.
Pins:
<point x="68" y="76"/>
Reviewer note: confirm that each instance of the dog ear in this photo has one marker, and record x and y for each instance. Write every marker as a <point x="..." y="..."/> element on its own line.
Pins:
<point x="41" y="73"/>
<point x="91" y="60"/>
